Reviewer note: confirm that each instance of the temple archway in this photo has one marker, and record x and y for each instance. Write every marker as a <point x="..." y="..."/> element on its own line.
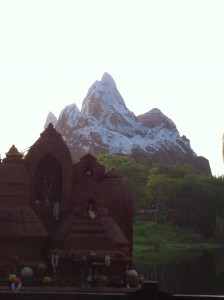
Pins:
<point x="48" y="181"/>
<point x="48" y="156"/>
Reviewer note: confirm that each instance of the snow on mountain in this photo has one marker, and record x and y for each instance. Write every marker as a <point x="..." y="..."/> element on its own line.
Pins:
<point x="51" y="118"/>
<point x="104" y="102"/>
<point x="106" y="125"/>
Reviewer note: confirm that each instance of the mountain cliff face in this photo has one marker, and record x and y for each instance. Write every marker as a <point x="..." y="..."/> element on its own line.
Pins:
<point x="106" y="126"/>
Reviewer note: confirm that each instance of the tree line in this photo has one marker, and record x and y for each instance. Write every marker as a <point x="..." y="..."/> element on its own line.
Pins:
<point x="179" y="194"/>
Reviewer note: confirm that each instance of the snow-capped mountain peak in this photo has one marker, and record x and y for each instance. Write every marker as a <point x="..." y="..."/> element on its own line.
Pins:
<point x="106" y="125"/>
<point x="104" y="102"/>
<point x="51" y="118"/>
<point x="108" y="80"/>
<point x="154" y="118"/>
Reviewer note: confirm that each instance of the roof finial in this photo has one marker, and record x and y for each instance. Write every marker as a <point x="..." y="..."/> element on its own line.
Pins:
<point x="13" y="154"/>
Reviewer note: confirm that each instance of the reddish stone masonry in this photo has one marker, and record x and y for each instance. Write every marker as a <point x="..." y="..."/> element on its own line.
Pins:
<point x="75" y="219"/>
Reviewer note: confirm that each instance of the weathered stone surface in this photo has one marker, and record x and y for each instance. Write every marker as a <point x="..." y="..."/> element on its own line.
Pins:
<point x="50" y="206"/>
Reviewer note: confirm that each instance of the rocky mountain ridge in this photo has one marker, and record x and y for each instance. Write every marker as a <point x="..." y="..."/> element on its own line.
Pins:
<point x="106" y="126"/>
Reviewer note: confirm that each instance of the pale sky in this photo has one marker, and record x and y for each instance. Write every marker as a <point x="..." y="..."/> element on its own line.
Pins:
<point x="167" y="54"/>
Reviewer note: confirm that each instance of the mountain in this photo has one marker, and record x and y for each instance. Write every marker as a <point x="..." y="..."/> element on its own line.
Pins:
<point x="106" y="126"/>
<point x="52" y="119"/>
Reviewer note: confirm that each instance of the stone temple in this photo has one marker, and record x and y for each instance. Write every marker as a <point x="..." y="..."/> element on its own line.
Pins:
<point x="70" y="216"/>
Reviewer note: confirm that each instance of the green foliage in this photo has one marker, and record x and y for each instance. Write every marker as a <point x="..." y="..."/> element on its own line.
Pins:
<point x="165" y="243"/>
<point x="134" y="174"/>
<point x="219" y="230"/>
<point x="201" y="201"/>
<point x="160" y="188"/>
<point x="189" y="199"/>
<point x="173" y="171"/>
<point x="178" y="193"/>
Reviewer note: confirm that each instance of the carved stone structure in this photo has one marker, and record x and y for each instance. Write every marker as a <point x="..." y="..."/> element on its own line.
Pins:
<point x="78" y="214"/>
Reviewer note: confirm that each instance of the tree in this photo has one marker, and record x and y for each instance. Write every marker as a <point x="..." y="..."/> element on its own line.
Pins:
<point x="134" y="174"/>
<point x="161" y="193"/>
<point x="179" y="194"/>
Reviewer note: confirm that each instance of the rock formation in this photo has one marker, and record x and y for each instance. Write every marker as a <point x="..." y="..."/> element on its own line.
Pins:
<point x="106" y="126"/>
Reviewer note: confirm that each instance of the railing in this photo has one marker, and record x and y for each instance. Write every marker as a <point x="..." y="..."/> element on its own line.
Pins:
<point x="148" y="291"/>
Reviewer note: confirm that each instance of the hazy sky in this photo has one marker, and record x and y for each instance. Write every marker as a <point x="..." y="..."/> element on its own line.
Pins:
<point x="167" y="54"/>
